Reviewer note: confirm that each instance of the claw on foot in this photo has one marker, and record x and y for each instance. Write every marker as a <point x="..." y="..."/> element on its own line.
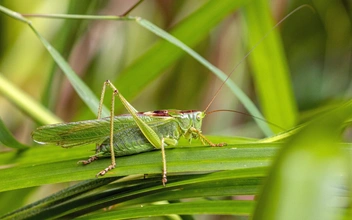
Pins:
<point x="164" y="180"/>
<point x="220" y="145"/>
<point x="85" y="162"/>
<point x="104" y="171"/>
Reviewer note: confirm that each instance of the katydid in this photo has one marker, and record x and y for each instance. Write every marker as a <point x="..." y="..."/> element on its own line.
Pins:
<point x="126" y="134"/>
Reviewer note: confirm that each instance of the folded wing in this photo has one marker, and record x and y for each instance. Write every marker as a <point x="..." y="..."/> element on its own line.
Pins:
<point x="86" y="132"/>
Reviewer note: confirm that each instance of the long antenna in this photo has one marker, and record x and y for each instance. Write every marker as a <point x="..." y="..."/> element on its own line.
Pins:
<point x="246" y="114"/>
<point x="250" y="51"/>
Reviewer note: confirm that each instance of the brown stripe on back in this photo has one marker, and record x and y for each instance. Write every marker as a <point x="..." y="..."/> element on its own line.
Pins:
<point x="188" y="111"/>
<point x="156" y="113"/>
<point x="164" y="113"/>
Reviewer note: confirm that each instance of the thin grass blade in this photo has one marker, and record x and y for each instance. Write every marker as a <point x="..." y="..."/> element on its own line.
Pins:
<point x="8" y="140"/>
<point x="26" y="103"/>
<point x="270" y="68"/>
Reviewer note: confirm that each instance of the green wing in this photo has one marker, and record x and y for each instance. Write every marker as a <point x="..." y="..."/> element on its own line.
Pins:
<point x="90" y="131"/>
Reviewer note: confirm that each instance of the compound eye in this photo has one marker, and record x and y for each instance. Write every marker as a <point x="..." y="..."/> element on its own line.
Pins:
<point x="198" y="117"/>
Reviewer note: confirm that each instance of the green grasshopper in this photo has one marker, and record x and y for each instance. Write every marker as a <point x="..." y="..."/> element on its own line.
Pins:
<point x="126" y="134"/>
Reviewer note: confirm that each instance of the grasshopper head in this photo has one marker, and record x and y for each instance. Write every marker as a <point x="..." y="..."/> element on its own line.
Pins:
<point x="195" y="126"/>
<point x="189" y="121"/>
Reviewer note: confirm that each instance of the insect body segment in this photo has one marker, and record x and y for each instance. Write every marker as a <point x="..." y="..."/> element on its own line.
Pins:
<point x="126" y="134"/>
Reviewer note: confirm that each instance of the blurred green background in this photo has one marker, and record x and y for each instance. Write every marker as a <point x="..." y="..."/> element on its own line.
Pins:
<point x="315" y="46"/>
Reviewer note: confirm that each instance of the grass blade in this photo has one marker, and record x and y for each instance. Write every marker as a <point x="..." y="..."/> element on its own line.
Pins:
<point x="270" y="67"/>
<point x="26" y="103"/>
<point x="68" y="193"/>
<point x="59" y="164"/>
<point x="239" y="208"/>
<point x="248" y="104"/>
<point x="82" y="89"/>
<point x="320" y="178"/>
<point x="8" y="140"/>
<point x="129" y="193"/>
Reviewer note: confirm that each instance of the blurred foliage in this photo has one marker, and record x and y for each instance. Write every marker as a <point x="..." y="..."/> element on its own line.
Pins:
<point x="313" y="76"/>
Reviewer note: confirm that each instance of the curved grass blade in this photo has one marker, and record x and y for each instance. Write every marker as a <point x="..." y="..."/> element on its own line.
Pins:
<point x="63" y="42"/>
<point x="21" y="196"/>
<point x="8" y="140"/>
<point x="62" y="196"/>
<point x="244" y="99"/>
<point x="83" y="91"/>
<point x="26" y="103"/>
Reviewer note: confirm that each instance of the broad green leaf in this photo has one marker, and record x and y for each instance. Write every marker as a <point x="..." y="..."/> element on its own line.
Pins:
<point x="311" y="173"/>
<point x="129" y="193"/>
<point x="52" y="164"/>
